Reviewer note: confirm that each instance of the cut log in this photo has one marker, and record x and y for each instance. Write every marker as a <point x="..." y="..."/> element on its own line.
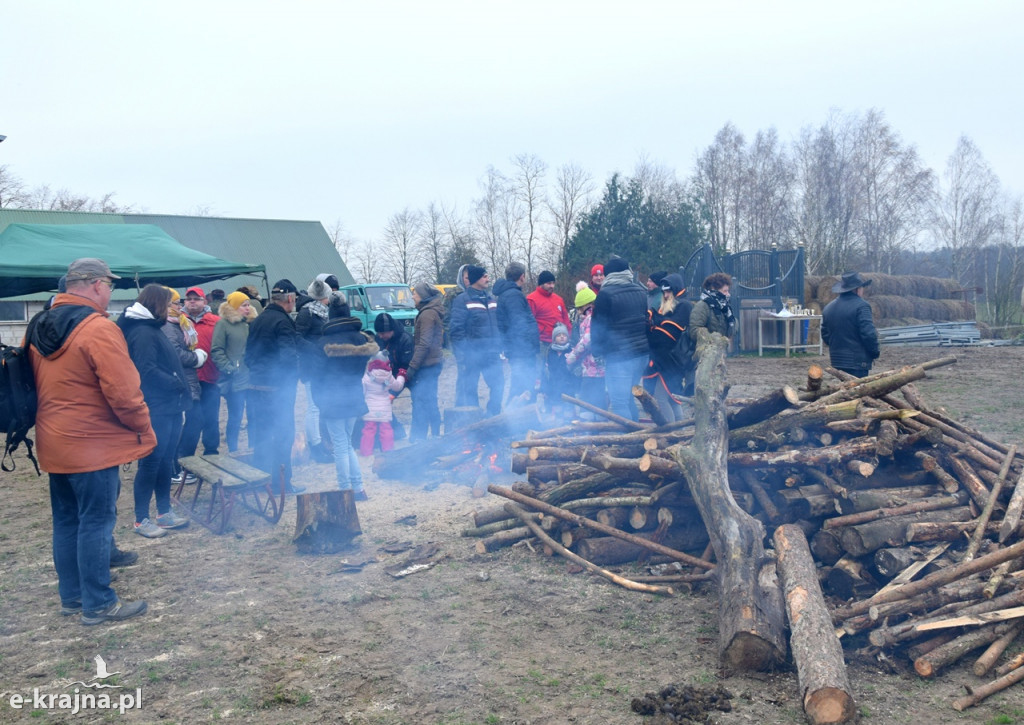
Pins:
<point x="944" y="576"/>
<point x="815" y="374"/>
<point x="624" y="422"/>
<point x="760" y="495"/>
<point x="866" y="538"/>
<point x="1011" y="520"/>
<point x="502" y="539"/>
<point x="864" y="469"/>
<point x="649" y="405"/>
<point x="931" y="464"/>
<point x="878" y="498"/>
<point x="763" y="408"/>
<point x="773" y="430"/>
<point x="821" y="670"/>
<point x="986" y="514"/>
<point x="580" y="488"/>
<point x="814" y="457"/>
<point x="517" y="510"/>
<point x="939" y="531"/>
<point x="325" y="522"/>
<point x="886" y="438"/>
<point x="892" y="560"/>
<point x="547" y="508"/>
<point x="970" y="480"/>
<point x="977" y="694"/>
<point x="1016" y="663"/>
<point x="751" y="617"/>
<point x="996" y="649"/>
<point x="934" y="503"/>
<point x="929" y="665"/>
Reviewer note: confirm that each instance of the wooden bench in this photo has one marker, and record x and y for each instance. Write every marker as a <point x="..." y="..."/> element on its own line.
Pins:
<point x="229" y="479"/>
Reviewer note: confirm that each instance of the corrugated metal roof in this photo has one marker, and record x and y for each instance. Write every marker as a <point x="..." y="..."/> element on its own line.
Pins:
<point x="297" y="250"/>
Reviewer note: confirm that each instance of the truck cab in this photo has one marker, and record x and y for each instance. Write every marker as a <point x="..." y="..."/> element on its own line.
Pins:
<point x="369" y="300"/>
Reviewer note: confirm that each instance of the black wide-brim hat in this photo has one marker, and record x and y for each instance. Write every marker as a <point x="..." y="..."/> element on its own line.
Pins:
<point x="849" y="282"/>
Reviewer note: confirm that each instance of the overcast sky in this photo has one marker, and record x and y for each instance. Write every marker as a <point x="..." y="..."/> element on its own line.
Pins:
<point x="355" y="110"/>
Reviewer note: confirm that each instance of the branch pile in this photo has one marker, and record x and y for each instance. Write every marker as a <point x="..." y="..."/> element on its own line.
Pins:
<point x="905" y="519"/>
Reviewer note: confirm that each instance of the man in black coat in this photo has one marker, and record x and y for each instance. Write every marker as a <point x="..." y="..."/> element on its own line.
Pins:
<point x="272" y="356"/>
<point x="519" y="333"/>
<point x="619" y="334"/>
<point x="847" y="327"/>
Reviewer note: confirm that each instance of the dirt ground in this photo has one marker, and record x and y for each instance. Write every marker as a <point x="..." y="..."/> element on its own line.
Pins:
<point x="242" y="628"/>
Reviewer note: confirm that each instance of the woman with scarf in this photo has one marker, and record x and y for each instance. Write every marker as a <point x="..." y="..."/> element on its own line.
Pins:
<point x="309" y="323"/>
<point x="712" y="312"/>
<point x="183" y="336"/>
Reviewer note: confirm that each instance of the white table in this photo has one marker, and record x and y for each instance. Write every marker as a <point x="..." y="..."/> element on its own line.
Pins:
<point x="792" y="332"/>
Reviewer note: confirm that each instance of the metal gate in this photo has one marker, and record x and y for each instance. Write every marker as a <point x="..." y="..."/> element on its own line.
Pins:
<point x="760" y="280"/>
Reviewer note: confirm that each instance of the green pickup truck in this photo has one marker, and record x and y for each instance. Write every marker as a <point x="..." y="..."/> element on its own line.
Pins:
<point x="369" y="300"/>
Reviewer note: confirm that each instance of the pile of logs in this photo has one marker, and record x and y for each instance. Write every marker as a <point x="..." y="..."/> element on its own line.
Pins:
<point x="906" y="520"/>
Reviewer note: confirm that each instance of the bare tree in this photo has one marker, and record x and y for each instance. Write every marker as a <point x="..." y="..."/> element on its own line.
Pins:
<point x="434" y="241"/>
<point x="827" y="195"/>
<point x="718" y="181"/>
<point x="766" y="206"/>
<point x="12" y="190"/>
<point x="494" y="221"/>
<point x="341" y="239"/>
<point x="966" y="213"/>
<point x="1004" y="267"/>
<point x="896" y="189"/>
<point x="399" y="245"/>
<point x="527" y="185"/>
<point x="367" y="262"/>
<point x="573" y="187"/>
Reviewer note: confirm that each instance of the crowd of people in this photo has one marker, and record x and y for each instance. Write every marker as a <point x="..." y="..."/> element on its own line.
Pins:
<point x="147" y="387"/>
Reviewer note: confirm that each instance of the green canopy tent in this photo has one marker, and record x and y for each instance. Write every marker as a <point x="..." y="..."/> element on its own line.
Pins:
<point x="33" y="257"/>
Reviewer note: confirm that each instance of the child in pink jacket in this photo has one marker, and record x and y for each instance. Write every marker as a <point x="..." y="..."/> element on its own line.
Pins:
<point x="379" y="388"/>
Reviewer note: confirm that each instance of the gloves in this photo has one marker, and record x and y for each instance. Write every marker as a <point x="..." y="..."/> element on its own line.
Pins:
<point x="408" y="375"/>
<point x="401" y="373"/>
<point x="202" y="355"/>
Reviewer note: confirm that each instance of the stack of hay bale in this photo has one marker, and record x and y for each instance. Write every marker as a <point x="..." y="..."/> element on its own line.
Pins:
<point x="897" y="301"/>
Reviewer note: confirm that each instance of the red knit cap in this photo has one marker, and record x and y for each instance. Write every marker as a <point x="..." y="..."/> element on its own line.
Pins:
<point x="596" y="268"/>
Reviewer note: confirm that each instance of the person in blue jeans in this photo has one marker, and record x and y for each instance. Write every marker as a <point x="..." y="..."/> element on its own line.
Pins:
<point x="167" y="395"/>
<point x="619" y="334"/>
<point x="425" y="365"/>
<point x="88" y="390"/>
<point x="336" y="371"/>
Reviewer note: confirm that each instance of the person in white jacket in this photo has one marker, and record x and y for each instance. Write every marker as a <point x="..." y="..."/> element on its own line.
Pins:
<point x="379" y="388"/>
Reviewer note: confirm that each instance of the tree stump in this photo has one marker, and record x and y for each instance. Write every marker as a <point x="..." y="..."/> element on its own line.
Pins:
<point x="325" y="522"/>
<point x="751" y="618"/>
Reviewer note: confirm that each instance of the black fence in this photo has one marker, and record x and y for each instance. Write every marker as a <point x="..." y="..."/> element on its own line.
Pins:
<point x="760" y="281"/>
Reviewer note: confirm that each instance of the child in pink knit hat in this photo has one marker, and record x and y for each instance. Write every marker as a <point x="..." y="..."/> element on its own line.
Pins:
<point x="379" y="388"/>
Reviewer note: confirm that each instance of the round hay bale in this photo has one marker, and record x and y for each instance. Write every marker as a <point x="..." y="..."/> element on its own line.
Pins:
<point x="949" y="289"/>
<point x="811" y="288"/>
<point x="889" y="306"/>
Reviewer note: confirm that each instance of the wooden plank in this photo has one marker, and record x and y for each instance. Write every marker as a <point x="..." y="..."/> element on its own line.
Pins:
<point x="238" y="469"/>
<point x="209" y="472"/>
<point x="984" y="618"/>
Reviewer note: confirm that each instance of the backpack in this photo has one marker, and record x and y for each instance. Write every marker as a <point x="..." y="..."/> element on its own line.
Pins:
<point x="682" y="353"/>
<point x="18" y="401"/>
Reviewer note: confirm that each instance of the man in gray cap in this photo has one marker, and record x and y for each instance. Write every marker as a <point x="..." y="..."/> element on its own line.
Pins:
<point x="847" y="327"/>
<point x="89" y="390"/>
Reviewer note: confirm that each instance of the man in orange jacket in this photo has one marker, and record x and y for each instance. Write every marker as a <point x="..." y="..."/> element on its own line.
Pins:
<point x="91" y="419"/>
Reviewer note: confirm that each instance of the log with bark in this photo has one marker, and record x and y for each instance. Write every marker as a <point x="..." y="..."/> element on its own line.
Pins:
<point x="751" y="618"/>
<point x="821" y="670"/>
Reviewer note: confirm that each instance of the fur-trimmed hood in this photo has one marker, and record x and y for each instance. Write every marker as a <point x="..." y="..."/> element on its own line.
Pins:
<point x="367" y="349"/>
<point x="229" y="313"/>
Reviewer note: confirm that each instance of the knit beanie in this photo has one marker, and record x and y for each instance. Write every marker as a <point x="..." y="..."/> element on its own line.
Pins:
<point x="329" y="279"/>
<point x="318" y="289"/>
<point x="383" y="323"/>
<point x="545" y="277"/>
<point x="175" y="295"/>
<point x="475" y="273"/>
<point x="426" y="291"/>
<point x="616" y="264"/>
<point x="585" y="296"/>
<point x="673" y="283"/>
<point x="596" y="268"/>
<point x="377" y="363"/>
<point x="236" y="299"/>
<point x="657" y="278"/>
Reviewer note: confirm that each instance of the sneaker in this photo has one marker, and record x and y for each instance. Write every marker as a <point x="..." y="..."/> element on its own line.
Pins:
<point x="123" y="558"/>
<point x="116" y="612"/>
<point x="291" y="488"/>
<point x="69" y="609"/>
<point x="189" y="479"/>
<point x="148" y="529"/>
<point x="360" y="495"/>
<point x="171" y="520"/>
